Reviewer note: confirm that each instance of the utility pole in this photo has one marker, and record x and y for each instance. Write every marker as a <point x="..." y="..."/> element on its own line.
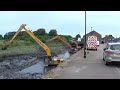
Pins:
<point x="85" y="38"/>
<point x="91" y="28"/>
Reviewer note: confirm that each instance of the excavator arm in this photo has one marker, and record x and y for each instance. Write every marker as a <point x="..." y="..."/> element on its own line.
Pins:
<point x="19" y="30"/>
<point x="32" y="35"/>
<point x="38" y="41"/>
<point x="58" y="37"/>
<point x="65" y="42"/>
<point x="78" y="47"/>
<point x="53" y="38"/>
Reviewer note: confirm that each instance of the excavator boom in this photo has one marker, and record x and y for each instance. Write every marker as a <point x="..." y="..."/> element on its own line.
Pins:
<point x="78" y="47"/>
<point x="32" y="35"/>
<point x="38" y="41"/>
<point x="65" y="42"/>
<point x="58" y="37"/>
<point x="19" y="30"/>
<point x="53" y="38"/>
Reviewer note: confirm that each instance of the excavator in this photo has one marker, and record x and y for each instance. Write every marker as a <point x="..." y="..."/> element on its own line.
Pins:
<point x="48" y="59"/>
<point x="72" y="50"/>
<point x="75" y="44"/>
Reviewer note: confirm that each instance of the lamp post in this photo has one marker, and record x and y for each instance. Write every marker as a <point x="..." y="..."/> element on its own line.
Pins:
<point x="85" y="38"/>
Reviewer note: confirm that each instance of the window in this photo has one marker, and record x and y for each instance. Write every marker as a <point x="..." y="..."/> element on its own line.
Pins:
<point x="115" y="47"/>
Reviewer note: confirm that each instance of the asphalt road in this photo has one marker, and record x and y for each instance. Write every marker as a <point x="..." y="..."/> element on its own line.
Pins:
<point x="92" y="67"/>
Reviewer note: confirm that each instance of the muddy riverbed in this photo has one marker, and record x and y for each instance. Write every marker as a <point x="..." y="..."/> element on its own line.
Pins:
<point x="25" y="66"/>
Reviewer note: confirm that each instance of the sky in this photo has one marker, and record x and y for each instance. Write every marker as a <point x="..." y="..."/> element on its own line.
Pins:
<point x="65" y="22"/>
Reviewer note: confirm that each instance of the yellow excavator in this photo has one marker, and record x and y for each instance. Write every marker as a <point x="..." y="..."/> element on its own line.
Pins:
<point x="48" y="59"/>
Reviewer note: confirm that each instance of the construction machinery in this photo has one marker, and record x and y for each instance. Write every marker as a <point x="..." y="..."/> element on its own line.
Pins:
<point x="48" y="59"/>
<point x="72" y="50"/>
<point x="75" y="44"/>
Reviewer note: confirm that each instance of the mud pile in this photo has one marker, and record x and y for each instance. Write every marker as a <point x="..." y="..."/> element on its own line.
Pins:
<point x="10" y="65"/>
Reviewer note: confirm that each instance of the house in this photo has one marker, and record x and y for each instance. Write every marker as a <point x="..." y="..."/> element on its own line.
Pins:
<point x="108" y="38"/>
<point x="116" y="40"/>
<point x="99" y="36"/>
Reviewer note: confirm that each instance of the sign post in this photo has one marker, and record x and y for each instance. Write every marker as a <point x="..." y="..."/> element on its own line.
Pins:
<point x="85" y="38"/>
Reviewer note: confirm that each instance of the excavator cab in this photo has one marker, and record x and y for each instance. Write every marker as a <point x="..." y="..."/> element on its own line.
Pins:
<point x="50" y="61"/>
<point x="47" y="60"/>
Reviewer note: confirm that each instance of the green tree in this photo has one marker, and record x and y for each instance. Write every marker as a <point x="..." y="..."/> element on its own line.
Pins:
<point x="40" y="31"/>
<point x="22" y="35"/>
<point x="53" y="32"/>
<point x="77" y="36"/>
<point x="6" y="36"/>
<point x="1" y="37"/>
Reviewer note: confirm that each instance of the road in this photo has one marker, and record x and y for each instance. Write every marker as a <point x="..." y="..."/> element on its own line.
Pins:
<point x="91" y="67"/>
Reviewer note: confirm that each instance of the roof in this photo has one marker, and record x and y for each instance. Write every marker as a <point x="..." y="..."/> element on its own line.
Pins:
<point x="93" y="32"/>
<point x="108" y="36"/>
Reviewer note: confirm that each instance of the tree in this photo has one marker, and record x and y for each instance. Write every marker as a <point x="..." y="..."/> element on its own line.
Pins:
<point x="9" y="35"/>
<point x="1" y="37"/>
<point x="40" y="31"/>
<point x="5" y="36"/>
<point x="53" y="32"/>
<point x="22" y="35"/>
<point x="77" y="36"/>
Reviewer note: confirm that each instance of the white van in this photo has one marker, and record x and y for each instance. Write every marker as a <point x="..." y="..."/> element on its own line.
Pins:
<point x="98" y="43"/>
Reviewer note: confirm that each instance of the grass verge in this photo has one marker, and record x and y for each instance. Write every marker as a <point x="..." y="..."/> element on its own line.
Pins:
<point x="20" y="47"/>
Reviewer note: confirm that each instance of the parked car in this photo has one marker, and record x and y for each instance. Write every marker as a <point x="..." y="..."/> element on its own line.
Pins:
<point x="111" y="53"/>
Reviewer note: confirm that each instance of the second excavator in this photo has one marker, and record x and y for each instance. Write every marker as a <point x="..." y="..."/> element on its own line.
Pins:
<point x="72" y="49"/>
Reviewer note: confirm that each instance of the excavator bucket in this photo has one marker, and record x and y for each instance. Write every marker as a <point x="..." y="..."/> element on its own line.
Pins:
<point x="4" y="47"/>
